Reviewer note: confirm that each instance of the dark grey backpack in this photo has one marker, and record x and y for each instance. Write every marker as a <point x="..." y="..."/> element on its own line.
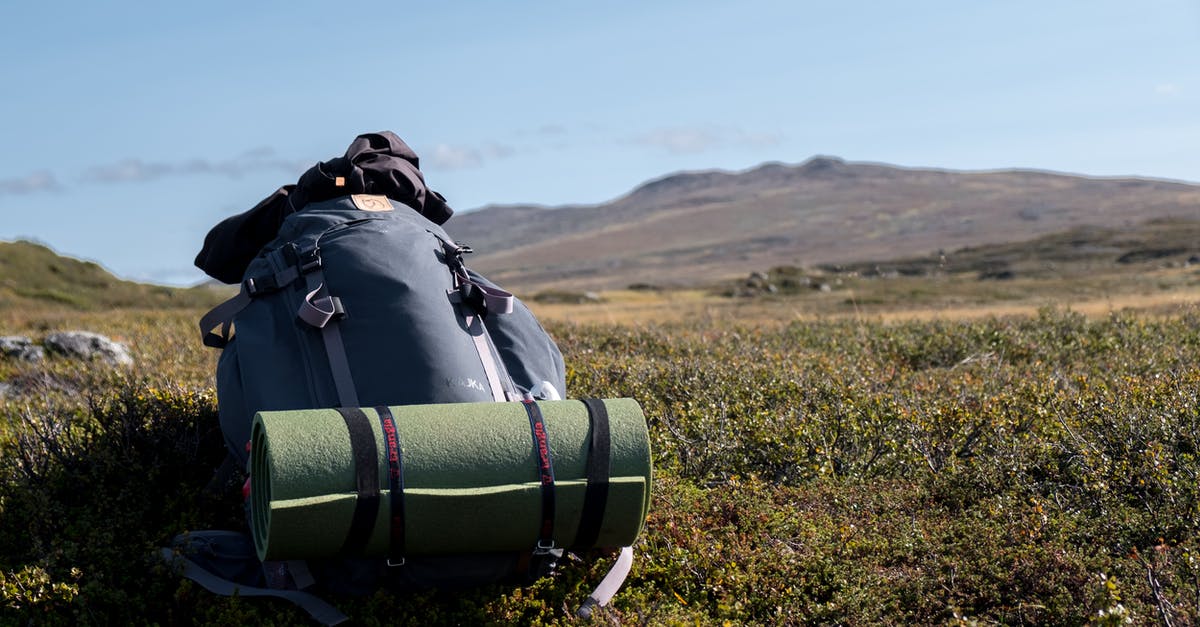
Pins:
<point x="361" y="301"/>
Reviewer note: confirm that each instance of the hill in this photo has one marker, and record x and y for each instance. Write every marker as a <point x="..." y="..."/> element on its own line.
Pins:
<point x="1083" y="250"/>
<point x="32" y="274"/>
<point x="693" y="227"/>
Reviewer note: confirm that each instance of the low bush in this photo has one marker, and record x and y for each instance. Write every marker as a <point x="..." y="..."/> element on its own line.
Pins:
<point x="1018" y="471"/>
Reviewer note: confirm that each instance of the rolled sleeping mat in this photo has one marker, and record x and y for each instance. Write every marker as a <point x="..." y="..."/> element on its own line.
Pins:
<point x="470" y="477"/>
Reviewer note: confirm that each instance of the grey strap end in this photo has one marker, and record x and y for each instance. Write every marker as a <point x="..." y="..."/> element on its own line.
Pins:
<point x="321" y="611"/>
<point x="585" y="610"/>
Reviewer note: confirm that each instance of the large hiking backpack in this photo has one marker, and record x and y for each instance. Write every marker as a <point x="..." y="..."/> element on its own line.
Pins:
<point x="361" y="302"/>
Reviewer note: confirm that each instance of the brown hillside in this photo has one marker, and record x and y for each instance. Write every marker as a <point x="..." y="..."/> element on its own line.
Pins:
<point x="694" y="227"/>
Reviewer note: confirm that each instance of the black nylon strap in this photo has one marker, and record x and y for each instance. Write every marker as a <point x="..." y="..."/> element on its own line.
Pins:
<point x="366" y="473"/>
<point x="541" y="449"/>
<point x="395" y="459"/>
<point x="595" y="498"/>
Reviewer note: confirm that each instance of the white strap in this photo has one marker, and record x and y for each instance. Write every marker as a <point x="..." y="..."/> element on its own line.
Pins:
<point x="479" y="337"/>
<point x="610" y="584"/>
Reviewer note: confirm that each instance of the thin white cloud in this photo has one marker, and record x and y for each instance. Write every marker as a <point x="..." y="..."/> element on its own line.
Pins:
<point x="453" y="157"/>
<point x="492" y="150"/>
<point x="40" y="181"/>
<point x="680" y="141"/>
<point x="1167" y="89"/>
<point x="137" y="170"/>
<point x="450" y="157"/>
<point x="757" y="140"/>
<point x="130" y="170"/>
<point x="545" y="130"/>
<point x="695" y="140"/>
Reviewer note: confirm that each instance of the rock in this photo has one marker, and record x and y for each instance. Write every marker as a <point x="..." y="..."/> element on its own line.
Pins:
<point x="86" y="345"/>
<point x="21" y="348"/>
<point x="7" y="390"/>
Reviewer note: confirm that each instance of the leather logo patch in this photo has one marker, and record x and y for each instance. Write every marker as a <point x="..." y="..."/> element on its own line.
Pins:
<point x="370" y="202"/>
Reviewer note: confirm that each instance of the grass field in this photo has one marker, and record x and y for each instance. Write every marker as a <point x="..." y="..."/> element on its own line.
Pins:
<point x="819" y="460"/>
<point x="851" y="296"/>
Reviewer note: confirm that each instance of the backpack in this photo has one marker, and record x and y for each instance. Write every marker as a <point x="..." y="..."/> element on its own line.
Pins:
<point x="361" y="302"/>
<point x="388" y="315"/>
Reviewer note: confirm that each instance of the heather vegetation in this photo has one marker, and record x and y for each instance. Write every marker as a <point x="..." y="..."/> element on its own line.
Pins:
<point x="1017" y="470"/>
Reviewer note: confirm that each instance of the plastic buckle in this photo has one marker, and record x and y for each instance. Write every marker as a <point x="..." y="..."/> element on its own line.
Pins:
<point x="306" y="260"/>
<point x="543" y="547"/>
<point x="310" y="260"/>
<point x="393" y="564"/>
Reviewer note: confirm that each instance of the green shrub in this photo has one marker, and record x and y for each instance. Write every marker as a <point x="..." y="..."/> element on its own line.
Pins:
<point x="1017" y="471"/>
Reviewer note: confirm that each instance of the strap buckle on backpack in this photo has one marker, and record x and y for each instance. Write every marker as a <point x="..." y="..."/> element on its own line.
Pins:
<point x="306" y="260"/>
<point x="483" y="299"/>
<point x="256" y="286"/>
<point x="543" y="547"/>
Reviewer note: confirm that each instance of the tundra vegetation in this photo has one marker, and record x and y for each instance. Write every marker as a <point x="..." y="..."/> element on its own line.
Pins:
<point x="1019" y="470"/>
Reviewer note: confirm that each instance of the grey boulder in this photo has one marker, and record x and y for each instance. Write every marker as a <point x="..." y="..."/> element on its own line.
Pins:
<point x="87" y="345"/>
<point x="21" y="348"/>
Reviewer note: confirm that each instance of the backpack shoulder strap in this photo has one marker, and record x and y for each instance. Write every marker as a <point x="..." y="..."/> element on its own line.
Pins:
<point x="222" y="315"/>
<point x="320" y="610"/>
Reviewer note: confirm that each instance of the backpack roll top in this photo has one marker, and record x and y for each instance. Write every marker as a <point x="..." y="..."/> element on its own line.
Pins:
<point x="449" y="479"/>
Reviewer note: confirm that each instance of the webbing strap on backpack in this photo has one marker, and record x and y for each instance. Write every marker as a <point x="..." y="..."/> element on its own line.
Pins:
<point x="595" y="496"/>
<point x="324" y="314"/>
<point x="479" y="336"/>
<point x="366" y="477"/>
<point x="395" y="459"/>
<point x="222" y="315"/>
<point x="545" y="467"/>
<point x="474" y="301"/>
<point x="595" y="499"/>
<point x="321" y="611"/>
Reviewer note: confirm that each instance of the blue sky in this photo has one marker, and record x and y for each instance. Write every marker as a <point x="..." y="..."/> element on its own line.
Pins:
<point x="130" y="128"/>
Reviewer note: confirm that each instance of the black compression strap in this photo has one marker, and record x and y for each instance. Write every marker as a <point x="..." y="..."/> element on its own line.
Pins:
<point x="395" y="460"/>
<point x="366" y="473"/>
<point x="595" y="498"/>
<point x="545" y="468"/>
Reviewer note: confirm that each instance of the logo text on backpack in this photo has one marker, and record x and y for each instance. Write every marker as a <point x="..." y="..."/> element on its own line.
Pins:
<point x="463" y="382"/>
<point x="371" y="202"/>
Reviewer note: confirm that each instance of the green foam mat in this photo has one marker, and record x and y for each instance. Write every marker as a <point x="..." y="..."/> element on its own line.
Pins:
<point x="471" y="483"/>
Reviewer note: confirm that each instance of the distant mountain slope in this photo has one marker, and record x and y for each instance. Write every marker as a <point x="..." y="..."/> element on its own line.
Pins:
<point x="696" y="226"/>
<point x="32" y="274"/>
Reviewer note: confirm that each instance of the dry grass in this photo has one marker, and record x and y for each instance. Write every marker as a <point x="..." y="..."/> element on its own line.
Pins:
<point x="923" y="298"/>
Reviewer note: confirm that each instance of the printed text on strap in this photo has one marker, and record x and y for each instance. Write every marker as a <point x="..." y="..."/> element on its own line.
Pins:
<point x="545" y="468"/>
<point x="394" y="455"/>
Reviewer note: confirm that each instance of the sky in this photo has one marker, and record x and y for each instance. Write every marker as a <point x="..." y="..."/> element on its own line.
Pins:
<point x="130" y="128"/>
